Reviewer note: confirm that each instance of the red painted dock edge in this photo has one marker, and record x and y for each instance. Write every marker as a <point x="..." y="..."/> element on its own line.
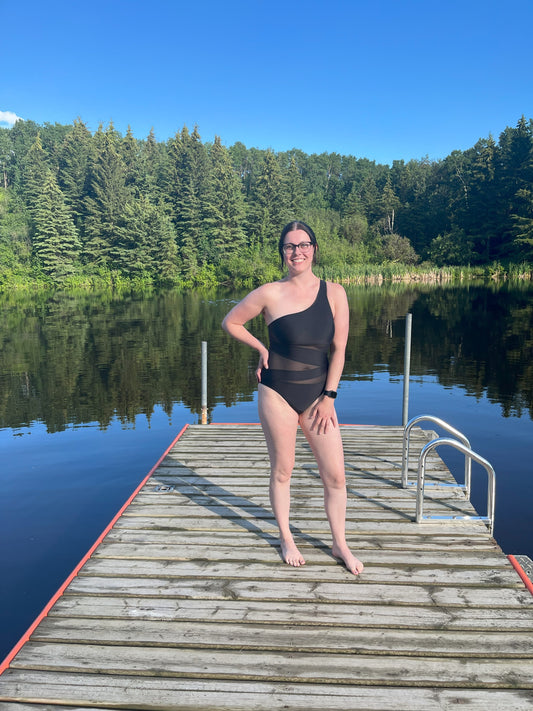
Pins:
<point x="521" y="572"/>
<point x="25" y="637"/>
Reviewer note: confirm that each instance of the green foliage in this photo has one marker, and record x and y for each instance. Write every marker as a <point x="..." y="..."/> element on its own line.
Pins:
<point x="294" y="188"/>
<point x="74" y="160"/>
<point x="35" y="173"/>
<point x="451" y="248"/>
<point x="223" y="208"/>
<point x="105" y="202"/>
<point x="267" y="205"/>
<point x="204" y="276"/>
<point x="192" y="168"/>
<point x="55" y="239"/>
<point x="134" y="249"/>
<point x="249" y="268"/>
<point x="102" y="209"/>
<point x="523" y="221"/>
<point x="398" y="249"/>
<point x="336" y="254"/>
<point x="15" y="244"/>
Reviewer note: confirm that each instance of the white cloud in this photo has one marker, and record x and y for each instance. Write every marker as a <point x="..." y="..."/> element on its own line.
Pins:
<point x="9" y="117"/>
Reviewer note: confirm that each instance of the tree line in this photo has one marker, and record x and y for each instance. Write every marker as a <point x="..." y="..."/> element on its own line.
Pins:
<point x="78" y="207"/>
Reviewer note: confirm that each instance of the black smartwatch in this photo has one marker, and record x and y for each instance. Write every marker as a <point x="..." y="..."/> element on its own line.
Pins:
<point x="330" y="393"/>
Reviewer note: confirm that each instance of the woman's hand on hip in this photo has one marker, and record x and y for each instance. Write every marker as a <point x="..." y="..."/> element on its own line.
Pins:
<point x="263" y="363"/>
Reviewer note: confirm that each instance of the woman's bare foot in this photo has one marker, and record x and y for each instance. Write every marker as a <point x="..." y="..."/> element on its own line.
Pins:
<point x="350" y="561"/>
<point x="291" y="554"/>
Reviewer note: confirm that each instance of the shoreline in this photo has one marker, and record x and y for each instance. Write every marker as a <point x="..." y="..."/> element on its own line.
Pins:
<point x="493" y="274"/>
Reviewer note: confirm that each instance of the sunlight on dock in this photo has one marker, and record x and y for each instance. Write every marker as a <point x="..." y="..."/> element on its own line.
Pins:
<point x="187" y="604"/>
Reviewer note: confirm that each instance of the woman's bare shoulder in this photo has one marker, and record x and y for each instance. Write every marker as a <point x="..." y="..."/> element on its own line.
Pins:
<point x="336" y="290"/>
<point x="269" y="290"/>
<point x="263" y="295"/>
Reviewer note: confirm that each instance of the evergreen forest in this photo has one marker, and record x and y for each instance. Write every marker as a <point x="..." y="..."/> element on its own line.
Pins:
<point x="84" y="209"/>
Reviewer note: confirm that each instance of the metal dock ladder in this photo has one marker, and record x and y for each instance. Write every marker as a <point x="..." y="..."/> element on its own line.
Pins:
<point x="461" y="443"/>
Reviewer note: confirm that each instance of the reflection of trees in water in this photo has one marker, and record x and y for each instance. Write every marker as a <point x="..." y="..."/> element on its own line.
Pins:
<point x="481" y="339"/>
<point x="87" y="358"/>
<point x="377" y="328"/>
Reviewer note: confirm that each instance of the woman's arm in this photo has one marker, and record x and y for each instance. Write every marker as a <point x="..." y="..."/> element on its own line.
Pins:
<point x="341" y="318"/>
<point x="251" y="306"/>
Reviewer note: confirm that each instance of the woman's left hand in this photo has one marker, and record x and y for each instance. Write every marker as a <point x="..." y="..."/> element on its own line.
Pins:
<point x="323" y="415"/>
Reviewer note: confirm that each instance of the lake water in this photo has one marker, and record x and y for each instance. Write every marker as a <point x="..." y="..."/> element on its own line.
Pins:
<point x="94" y="388"/>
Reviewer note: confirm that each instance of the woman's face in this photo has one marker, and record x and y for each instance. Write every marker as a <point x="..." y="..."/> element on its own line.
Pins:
<point x="298" y="250"/>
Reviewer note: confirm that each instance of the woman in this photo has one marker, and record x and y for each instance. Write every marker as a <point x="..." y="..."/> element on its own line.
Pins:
<point x="307" y="319"/>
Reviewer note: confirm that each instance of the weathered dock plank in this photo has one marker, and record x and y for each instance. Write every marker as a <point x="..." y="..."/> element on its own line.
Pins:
<point x="288" y="664"/>
<point x="186" y="603"/>
<point x="304" y="638"/>
<point x="281" y="612"/>
<point x="170" y="694"/>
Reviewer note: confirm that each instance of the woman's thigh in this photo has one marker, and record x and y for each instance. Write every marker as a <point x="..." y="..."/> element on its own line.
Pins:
<point x="280" y="423"/>
<point x="327" y="448"/>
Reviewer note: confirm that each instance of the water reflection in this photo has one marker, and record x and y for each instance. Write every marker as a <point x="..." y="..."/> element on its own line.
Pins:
<point x="72" y="359"/>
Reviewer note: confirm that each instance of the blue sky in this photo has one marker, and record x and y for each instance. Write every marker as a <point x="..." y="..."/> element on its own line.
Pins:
<point x="379" y="79"/>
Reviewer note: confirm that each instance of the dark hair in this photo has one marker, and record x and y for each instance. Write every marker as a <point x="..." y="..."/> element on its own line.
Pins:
<point x="296" y="225"/>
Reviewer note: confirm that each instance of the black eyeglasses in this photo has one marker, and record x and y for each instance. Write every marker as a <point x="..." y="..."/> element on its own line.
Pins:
<point x="303" y="247"/>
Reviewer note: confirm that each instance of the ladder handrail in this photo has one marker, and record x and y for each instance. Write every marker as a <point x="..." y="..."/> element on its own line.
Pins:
<point x="469" y="455"/>
<point x="446" y="426"/>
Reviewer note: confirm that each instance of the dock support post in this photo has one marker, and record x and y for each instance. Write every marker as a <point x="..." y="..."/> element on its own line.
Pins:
<point x="204" y="382"/>
<point x="407" y="368"/>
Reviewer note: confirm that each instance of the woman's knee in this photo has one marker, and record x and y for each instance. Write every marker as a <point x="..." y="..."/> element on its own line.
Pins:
<point x="334" y="479"/>
<point x="281" y="472"/>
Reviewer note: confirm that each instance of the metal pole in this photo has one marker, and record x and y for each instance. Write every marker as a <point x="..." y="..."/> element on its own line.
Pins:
<point x="407" y="367"/>
<point x="204" y="382"/>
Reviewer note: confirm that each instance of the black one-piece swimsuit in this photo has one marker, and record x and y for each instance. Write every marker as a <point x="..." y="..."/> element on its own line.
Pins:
<point x="298" y="352"/>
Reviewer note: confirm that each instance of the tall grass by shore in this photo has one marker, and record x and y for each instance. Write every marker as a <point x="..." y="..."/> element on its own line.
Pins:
<point x="384" y="273"/>
<point x="349" y="274"/>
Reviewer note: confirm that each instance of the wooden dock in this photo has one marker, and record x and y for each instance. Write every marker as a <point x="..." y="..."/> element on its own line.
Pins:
<point x="186" y="604"/>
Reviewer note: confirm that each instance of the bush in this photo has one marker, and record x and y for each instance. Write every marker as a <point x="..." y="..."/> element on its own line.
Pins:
<point x="451" y="248"/>
<point x="398" y="249"/>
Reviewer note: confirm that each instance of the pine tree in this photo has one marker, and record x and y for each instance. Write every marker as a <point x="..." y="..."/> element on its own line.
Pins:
<point x="515" y="155"/>
<point x="133" y="249"/>
<point x="190" y="194"/>
<point x="73" y="160"/>
<point x="514" y="175"/>
<point x="129" y="153"/>
<point x="149" y="168"/>
<point x="105" y="202"/>
<point x="389" y="204"/>
<point x="170" y="174"/>
<point x="22" y="137"/>
<point x="353" y="204"/>
<point x="522" y="203"/>
<point x="6" y="158"/>
<point x="370" y="199"/>
<point x="484" y="209"/>
<point x="55" y="239"/>
<point x="166" y="250"/>
<point x="145" y="243"/>
<point x="241" y="161"/>
<point x="523" y="221"/>
<point x="223" y="205"/>
<point x="413" y="183"/>
<point x="268" y="204"/>
<point x="294" y="190"/>
<point x="35" y="173"/>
